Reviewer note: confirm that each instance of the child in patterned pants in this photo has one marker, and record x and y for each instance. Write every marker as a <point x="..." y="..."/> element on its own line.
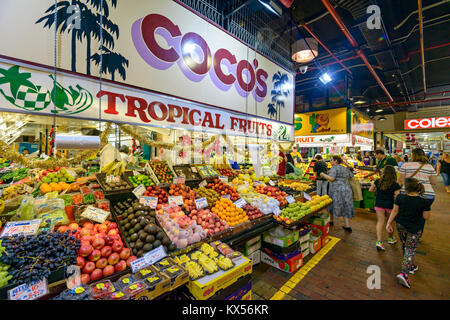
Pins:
<point x="410" y="242"/>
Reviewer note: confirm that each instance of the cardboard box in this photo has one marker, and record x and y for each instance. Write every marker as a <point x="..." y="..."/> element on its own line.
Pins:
<point x="290" y="265"/>
<point x="207" y="286"/>
<point x="321" y="220"/>
<point x="158" y="290"/>
<point x="325" y="230"/>
<point x="251" y="242"/>
<point x="180" y="279"/>
<point x="305" y="238"/>
<point x="305" y="253"/>
<point x="281" y="241"/>
<point x="324" y="240"/>
<point x="255" y="257"/>
<point x="248" y="251"/>
<point x="304" y="246"/>
<point x="315" y="244"/>
<point x="240" y="293"/>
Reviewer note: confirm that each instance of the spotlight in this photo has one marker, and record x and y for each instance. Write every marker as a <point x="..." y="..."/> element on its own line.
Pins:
<point x="382" y="118"/>
<point x="272" y="6"/>
<point x="325" y="78"/>
<point x="379" y="110"/>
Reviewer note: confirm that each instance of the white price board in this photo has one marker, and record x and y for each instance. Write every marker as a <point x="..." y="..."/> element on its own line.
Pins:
<point x="201" y="203"/>
<point x="152" y="202"/>
<point x="203" y="184"/>
<point x="15" y="228"/>
<point x="307" y="196"/>
<point x="95" y="214"/>
<point x="111" y="178"/>
<point x="224" y="179"/>
<point x="276" y="211"/>
<point x="240" y="203"/>
<point x="256" y="183"/>
<point x="178" y="180"/>
<point x="139" y="264"/>
<point x="139" y="191"/>
<point x="29" y="291"/>
<point x="272" y="183"/>
<point x="148" y="259"/>
<point x="290" y="199"/>
<point x="226" y="196"/>
<point x="177" y="200"/>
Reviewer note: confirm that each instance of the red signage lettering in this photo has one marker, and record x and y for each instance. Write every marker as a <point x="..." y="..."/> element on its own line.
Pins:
<point x="426" y="123"/>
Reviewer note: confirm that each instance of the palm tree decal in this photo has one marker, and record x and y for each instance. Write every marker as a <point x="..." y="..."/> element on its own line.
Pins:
<point x="15" y="79"/>
<point x="94" y="25"/>
<point x="112" y="62"/>
<point x="279" y="93"/>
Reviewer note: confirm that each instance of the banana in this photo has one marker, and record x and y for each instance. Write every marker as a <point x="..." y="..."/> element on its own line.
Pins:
<point x="209" y="265"/>
<point x="206" y="248"/>
<point x="2" y="206"/>
<point x="224" y="263"/>
<point x="195" y="255"/>
<point x="107" y="168"/>
<point x="194" y="270"/>
<point x="182" y="259"/>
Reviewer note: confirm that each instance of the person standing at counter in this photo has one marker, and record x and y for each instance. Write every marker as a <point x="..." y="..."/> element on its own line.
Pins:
<point x="367" y="159"/>
<point x="384" y="160"/>
<point x="340" y="191"/>
<point x="319" y="167"/>
<point x="296" y="156"/>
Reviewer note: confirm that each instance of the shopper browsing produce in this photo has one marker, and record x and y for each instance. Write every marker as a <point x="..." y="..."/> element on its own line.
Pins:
<point x="319" y="167"/>
<point x="340" y="191"/>
<point x="444" y="170"/>
<point x="386" y="189"/>
<point x="410" y="212"/>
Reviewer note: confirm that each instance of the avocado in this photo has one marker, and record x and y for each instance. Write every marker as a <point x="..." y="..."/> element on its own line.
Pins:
<point x="160" y="236"/>
<point x="132" y="245"/>
<point x="172" y="247"/>
<point x="134" y="237"/>
<point x="143" y="236"/>
<point x="157" y="243"/>
<point x="137" y="227"/>
<point x="131" y="231"/>
<point x="153" y="229"/>
<point x="134" y="221"/>
<point x="139" y="244"/>
<point x="166" y="241"/>
<point x="150" y="238"/>
<point x="148" y="247"/>
<point x="131" y="217"/>
<point x="140" y="253"/>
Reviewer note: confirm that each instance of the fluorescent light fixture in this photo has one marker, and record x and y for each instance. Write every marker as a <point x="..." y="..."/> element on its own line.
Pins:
<point x="382" y="118"/>
<point x="325" y="78"/>
<point x="360" y="102"/>
<point x="272" y="7"/>
<point x="379" y="110"/>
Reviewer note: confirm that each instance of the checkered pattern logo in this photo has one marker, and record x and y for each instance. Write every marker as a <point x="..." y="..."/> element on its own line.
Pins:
<point x="29" y="98"/>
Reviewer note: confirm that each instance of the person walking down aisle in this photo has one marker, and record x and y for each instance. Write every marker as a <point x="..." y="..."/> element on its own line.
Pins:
<point x="319" y="167"/>
<point x="410" y="212"/>
<point x="340" y="191"/>
<point x="444" y="170"/>
<point x="386" y="189"/>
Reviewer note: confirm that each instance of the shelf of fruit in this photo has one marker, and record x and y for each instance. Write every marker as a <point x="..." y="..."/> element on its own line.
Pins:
<point x="298" y="212"/>
<point x="223" y="189"/>
<point x="162" y="171"/>
<point x="139" y="179"/>
<point x="273" y="192"/>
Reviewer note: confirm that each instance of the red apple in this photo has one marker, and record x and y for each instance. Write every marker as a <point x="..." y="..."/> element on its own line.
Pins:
<point x="102" y="228"/>
<point x="98" y="243"/>
<point x="63" y="229"/>
<point x="81" y="262"/>
<point x="85" y="278"/>
<point x="85" y="232"/>
<point x="108" y="240"/>
<point x="101" y="263"/>
<point x="73" y="226"/>
<point x="86" y="238"/>
<point x="130" y="260"/>
<point x="125" y="253"/>
<point x="113" y="232"/>
<point x="95" y="255"/>
<point x="88" y="225"/>
<point x="85" y="250"/>
<point x="121" y="265"/>
<point x="85" y="243"/>
<point x="113" y="258"/>
<point x="112" y="225"/>
<point x="88" y="267"/>
<point x="108" y="270"/>
<point x="117" y="246"/>
<point x="115" y="237"/>
<point x="96" y="274"/>
<point x="106" y="251"/>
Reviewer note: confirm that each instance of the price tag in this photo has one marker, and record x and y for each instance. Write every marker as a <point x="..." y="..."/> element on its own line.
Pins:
<point x="290" y="199"/>
<point x="307" y="196"/>
<point x="177" y="180"/>
<point x="139" y="191"/>
<point x="177" y="200"/>
<point x="272" y="183"/>
<point x="135" y="173"/>
<point x="203" y="184"/>
<point x="152" y="202"/>
<point x="27" y="188"/>
<point x="224" y="179"/>
<point x="256" y="183"/>
<point x="226" y="196"/>
<point x="29" y="291"/>
<point x="194" y="169"/>
<point x="15" y="228"/>
<point x="201" y="203"/>
<point x="95" y="214"/>
<point x="276" y="211"/>
<point x="240" y="203"/>
<point x="139" y="264"/>
<point x="111" y="178"/>
<point x="155" y="255"/>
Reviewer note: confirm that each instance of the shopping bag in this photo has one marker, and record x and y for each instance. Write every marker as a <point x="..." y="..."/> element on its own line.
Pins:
<point x="356" y="189"/>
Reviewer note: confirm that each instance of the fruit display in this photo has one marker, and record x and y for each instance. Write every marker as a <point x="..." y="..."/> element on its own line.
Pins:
<point x="60" y="176"/>
<point x="139" y="179"/>
<point x="14" y="176"/>
<point x="210" y="195"/>
<point x="158" y="192"/>
<point x="274" y="192"/>
<point x="227" y="172"/>
<point x="116" y="186"/>
<point x="222" y="189"/>
<point x="162" y="171"/>
<point x="139" y="228"/>
<point x="207" y="171"/>
<point x="363" y="176"/>
<point x="252" y="212"/>
<point x="227" y="210"/>
<point x="4" y="276"/>
<point x="298" y="186"/>
<point x="12" y="192"/>
<point x="176" y="214"/>
<point x="186" y="172"/>
<point x="115" y="168"/>
<point x="189" y="197"/>
<point x="261" y="201"/>
<point x="194" y="269"/>
<point x="209" y="221"/>
<point x="33" y="257"/>
<point x="298" y="210"/>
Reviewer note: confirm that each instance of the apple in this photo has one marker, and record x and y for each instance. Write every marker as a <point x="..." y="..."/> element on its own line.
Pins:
<point x="63" y="229"/>
<point x="73" y="226"/>
<point x="95" y="255"/>
<point x="88" y="267"/>
<point x="130" y="260"/>
<point x="108" y="240"/>
<point x="86" y="238"/>
<point x="113" y="258"/>
<point x="106" y="251"/>
<point x="125" y="253"/>
<point x="101" y="263"/>
<point x="115" y="237"/>
<point x="85" y="278"/>
<point x="88" y="225"/>
<point x="98" y="243"/>
<point x="96" y="274"/>
<point x="102" y="228"/>
<point x="113" y="225"/>
<point x="85" y="232"/>
<point x="108" y="270"/>
<point x="120" y="266"/>
<point x="113" y="232"/>
<point x="117" y="246"/>
<point x="81" y="262"/>
<point x="85" y="250"/>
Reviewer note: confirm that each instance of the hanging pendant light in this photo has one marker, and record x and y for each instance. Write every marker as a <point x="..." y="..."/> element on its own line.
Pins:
<point x="305" y="50"/>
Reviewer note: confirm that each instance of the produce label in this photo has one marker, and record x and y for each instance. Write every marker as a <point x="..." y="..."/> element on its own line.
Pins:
<point x="79" y="290"/>
<point x="240" y="203"/>
<point x="201" y="203"/>
<point x="95" y="214"/>
<point x="152" y="202"/>
<point x="155" y="255"/>
<point x="306" y="196"/>
<point x="290" y="199"/>
<point x="27" y="188"/>
<point x="177" y="200"/>
<point x="100" y="286"/>
<point x="203" y="184"/>
<point x="276" y="211"/>
<point x="111" y="178"/>
<point x="29" y="291"/>
<point x="177" y="180"/>
<point x="256" y="183"/>
<point x="194" y="169"/>
<point x="226" y="196"/>
<point x="135" y="173"/>
<point x="139" y="264"/>
<point x="272" y="183"/>
<point x="224" y="179"/>
<point x="15" y="228"/>
<point x="139" y="191"/>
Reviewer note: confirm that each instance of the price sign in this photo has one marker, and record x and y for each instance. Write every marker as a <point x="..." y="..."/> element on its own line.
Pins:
<point x="27" y="188"/>
<point x="15" y="228"/>
<point x="276" y="211"/>
<point x="155" y="255"/>
<point x="226" y="196"/>
<point x="152" y="202"/>
<point x="240" y="203"/>
<point x="135" y="173"/>
<point x="256" y="183"/>
<point x="177" y="200"/>
<point x="139" y="264"/>
<point x="29" y="291"/>
<point x="224" y="179"/>
<point x="194" y="169"/>
<point x="290" y="199"/>
<point x="95" y="214"/>
<point x="203" y="184"/>
<point x="307" y="196"/>
<point x="272" y="183"/>
<point x="201" y="203"/>
<point x="111" y="178"/>
<point x="178" y="180"/>
<point x="139" y="191"/>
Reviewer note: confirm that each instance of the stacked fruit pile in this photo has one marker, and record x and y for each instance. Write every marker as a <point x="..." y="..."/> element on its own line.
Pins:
<point x="209" y="221"/>
<point x="160" y="193"/>
<point x="141" y="179"/>
<point x="298" y="210"/>
<point x="4" y="276"/>
<point x="274" y="192"/>
<point x="210" y="195"/>
<point x="299" y="186"/>
<point x="162" y="171"/>
<point x="227" y="210"/>
<point x="176" y="214"/>
<point x="252" y="212"/>
<point x="227" y="172"/>
<point x="223" y="189"/>
<point x="115" y="168"/>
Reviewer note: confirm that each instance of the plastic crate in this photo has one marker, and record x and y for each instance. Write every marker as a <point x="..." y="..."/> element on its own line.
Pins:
<point x="369" y="203"/>
<point x="357" y="204"/>
<point x="368" y="195"/>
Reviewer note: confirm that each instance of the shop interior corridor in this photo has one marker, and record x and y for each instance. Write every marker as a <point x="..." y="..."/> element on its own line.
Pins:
<point x="342" y="272"/>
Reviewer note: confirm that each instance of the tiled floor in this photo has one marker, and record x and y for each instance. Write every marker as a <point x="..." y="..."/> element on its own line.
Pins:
<point x="341" y="274"/>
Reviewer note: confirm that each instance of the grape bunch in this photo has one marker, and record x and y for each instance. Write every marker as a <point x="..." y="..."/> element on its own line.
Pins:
<point x="4" y="277"/>
<point x="33" y="257"/>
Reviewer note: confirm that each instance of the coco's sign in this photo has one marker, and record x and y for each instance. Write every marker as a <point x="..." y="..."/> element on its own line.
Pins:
<point x="427" y="123"/>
